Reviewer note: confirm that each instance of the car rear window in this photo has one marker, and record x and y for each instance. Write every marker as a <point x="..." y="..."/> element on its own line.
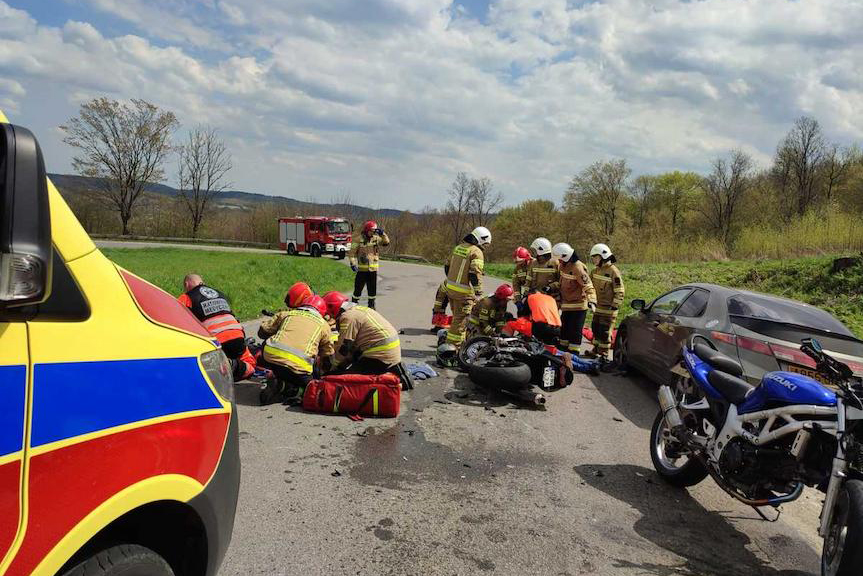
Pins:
<point x="760" y="307"/>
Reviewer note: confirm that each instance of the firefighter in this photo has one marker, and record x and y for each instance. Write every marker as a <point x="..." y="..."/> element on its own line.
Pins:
<point x="364" y="258"/>
<point x="296" y="339"/>
<point x="522" y="259"/>
<point x="298" y="294"/>
<point x="609" y="297"/>
<point x="576" y="294"/>
<point x="464" y="285"/>
<point x="542" y="274"/>
<point x="368" y="343"/>
<point x="441" y="300"/>
<point x="488" y="316"/>
<point x="213" y="310"/>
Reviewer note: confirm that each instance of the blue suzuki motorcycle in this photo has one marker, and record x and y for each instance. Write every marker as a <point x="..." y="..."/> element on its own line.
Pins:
<point x="762" y="444"/>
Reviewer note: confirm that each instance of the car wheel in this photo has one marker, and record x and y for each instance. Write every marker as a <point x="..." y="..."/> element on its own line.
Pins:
<point x="316" y="251"/>
<point x="341" y="255"/>
<point x="621" y="350"/>
<point x="122" y="560"/>
<point x="292" y="250"/>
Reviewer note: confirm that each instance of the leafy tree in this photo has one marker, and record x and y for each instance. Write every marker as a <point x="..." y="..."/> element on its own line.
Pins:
<point x="599" y="189"/>
<point x="677" y="192"/>
<point x="123" y="146"/>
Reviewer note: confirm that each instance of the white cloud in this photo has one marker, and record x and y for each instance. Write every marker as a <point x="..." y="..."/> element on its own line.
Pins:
<point x="387" y="99"/>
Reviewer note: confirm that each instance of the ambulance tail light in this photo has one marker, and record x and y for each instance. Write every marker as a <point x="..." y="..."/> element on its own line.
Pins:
<point x="218" y="369"/>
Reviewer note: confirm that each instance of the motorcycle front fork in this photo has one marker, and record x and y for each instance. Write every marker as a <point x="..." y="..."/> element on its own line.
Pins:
<point x="837" y="475"/>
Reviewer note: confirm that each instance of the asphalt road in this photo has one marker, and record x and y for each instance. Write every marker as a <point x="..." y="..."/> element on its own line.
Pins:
<point x="465" y="482"/>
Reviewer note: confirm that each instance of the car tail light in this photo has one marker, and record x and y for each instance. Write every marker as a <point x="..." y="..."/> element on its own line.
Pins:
<point x="723" y="337"/>
<point x="753" y="345"/>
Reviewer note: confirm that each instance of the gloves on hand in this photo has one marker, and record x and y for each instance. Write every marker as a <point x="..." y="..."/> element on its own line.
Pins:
<point x="354" y="268"/>
<point x="591" y="306"/>
<point x="380" y="231"/>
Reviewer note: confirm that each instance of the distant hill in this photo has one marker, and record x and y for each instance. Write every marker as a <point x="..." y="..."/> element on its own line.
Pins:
<point x="231" y="199"/>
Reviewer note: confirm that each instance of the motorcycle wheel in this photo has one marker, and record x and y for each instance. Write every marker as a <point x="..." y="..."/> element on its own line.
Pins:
<point x="512" y="375"/>
<point x="842" y="554"/>
<point x="467" y="352"/>
<point x="681" y="471"/>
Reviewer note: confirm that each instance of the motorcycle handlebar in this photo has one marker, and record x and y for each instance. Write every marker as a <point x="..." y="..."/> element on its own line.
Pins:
<point x="266" y="312"/>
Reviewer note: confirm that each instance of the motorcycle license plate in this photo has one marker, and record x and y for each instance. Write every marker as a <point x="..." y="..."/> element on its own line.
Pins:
<point x="548" y="374"/>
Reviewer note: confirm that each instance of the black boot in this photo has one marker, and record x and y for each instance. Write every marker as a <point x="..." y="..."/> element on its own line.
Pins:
<point x="272" y="392"/>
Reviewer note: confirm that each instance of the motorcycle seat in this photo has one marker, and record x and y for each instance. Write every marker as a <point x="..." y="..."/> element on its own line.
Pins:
<point x="733" y="388"/>
<point x="717" y="359"/>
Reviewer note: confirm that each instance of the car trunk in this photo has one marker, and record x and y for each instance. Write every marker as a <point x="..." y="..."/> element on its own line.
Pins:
<point x="764" y="345"/>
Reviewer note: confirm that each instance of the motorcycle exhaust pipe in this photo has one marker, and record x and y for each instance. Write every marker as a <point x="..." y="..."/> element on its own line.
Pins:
<point x="669" y="407"/>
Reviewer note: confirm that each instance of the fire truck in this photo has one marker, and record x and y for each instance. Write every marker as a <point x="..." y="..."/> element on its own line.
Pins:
<point x="315" y="235"/>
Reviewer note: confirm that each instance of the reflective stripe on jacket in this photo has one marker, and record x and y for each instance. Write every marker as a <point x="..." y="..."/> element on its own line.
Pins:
<point x="609" y="288"/>
<point x="365" y="254"/>
<point x="488" y="316"/>
<point x="372" y="335"/>
<point x="543" y="277"/>
<point x="466" y="259"/>
<point x="298" y="336"/>
<point x="576" y="288"/>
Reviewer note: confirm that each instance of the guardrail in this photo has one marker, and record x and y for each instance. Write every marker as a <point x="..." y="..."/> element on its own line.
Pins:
<point x="213" y="241"/>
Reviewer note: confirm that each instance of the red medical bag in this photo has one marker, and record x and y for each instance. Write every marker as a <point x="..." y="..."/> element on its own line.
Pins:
<point x="355" y="394"/>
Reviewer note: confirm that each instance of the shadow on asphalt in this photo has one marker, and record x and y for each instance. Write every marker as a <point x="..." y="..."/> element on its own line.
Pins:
<point x="672" y="519"/>
<point x="247" y="393"/>
<point x="466" y="393"/>
<point x="632" y="394"/>
<point x="417" y="332"/>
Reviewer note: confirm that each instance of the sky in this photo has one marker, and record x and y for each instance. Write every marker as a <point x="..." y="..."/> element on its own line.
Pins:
<point x="386" y="100"/>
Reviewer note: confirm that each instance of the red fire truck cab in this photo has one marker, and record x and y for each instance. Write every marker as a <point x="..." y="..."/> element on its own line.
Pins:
<point x="315" y="235"/>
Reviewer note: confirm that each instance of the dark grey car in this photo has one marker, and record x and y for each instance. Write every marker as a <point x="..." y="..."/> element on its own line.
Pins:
<point x="762" y="331"/>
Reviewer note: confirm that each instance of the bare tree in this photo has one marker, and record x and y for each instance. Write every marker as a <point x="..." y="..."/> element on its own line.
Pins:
<point x="204" y="166"/>
<point x="798" y="161"/>
<point x="123" y="146"/>
<point x="483" y="201"/>
<point x="599" y="189"/>
<point x="458" y="205"/>
<point x="836" y="166"/>
<point x="642" y="191"/>
<point x="723" y="190"/>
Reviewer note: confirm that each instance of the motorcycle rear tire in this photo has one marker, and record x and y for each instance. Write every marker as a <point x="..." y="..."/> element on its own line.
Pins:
<point x="511" y="376"/>
<point x="850" y="505"/>
<point x="690" y="474"/>
<point x="463" y="361"/>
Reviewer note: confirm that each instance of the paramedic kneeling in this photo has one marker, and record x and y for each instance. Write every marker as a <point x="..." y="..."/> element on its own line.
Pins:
<point x="545" y="317"/>
<point x="368" y="343"/>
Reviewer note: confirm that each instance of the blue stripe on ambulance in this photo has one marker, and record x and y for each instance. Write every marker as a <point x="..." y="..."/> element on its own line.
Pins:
<point x="75" y="398"/>
<point x="13" y="390"/>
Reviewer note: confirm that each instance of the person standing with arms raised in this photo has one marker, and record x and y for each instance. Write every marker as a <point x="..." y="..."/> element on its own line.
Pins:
<point x="364" y="258"/>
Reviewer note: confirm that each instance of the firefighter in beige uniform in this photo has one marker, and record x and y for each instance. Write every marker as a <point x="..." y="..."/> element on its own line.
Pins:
<point x="609" y="298"/>
<point x="364" y="258"/>
<point x="368" y="343"/>
<point x="522" y="259"/>
<point x="576" y="295"/>
<point x="295" y="339"/>
<point x="464" y="274"/>
<point x="542" y="274"/>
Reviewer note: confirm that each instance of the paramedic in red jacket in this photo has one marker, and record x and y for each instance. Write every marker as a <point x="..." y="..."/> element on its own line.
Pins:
<point x="212" y="309"/>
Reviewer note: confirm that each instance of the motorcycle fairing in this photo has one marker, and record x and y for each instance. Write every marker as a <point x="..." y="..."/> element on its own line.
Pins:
<point x="699" y="369"/>
<point x="786" y="388"/>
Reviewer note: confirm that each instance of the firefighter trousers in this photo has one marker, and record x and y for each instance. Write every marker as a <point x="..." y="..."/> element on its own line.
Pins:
<point x="365" y="279"/>
<point x="573" y="323"/>
<point x="603" y="321"/>
<point x="462" y="306"/>
<point x="440" y="300"/>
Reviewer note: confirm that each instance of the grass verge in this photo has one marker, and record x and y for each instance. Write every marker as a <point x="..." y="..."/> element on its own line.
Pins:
<point x="251" y="281"/>
<point x="806" y="279"/>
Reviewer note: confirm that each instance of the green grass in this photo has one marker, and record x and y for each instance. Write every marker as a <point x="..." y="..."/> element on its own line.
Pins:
<point x="251" y="281"/>
<point x="806" y="279"/>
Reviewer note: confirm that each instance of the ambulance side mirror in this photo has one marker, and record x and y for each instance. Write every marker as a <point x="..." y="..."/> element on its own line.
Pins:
<point x="25" y="220"/>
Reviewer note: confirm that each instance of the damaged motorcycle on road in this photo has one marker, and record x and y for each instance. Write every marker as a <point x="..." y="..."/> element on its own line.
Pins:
<point x="762" y="444"/>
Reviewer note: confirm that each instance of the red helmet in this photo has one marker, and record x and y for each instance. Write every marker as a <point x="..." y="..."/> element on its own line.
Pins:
<point x="369" y="227"/>
<point x="317" y="303"/>
<point x="334" y="301"/>
<point x="521" y="254"/>
<point x="298" y="294"/>
<point x="503" y="292"/>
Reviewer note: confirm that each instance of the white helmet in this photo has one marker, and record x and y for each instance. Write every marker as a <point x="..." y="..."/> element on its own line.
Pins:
<point x="601" y="250"/>
<point x="562" y="251"/>
<point x="541" y="246"/>
<point x="482" y="235"/>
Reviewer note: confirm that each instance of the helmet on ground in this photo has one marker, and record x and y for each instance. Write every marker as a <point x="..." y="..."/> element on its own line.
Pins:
<point x="334" y="301"/>
<point x="503" y="292"/>
<point x="541" y="246"/>
<point x="317" y="303"/>
<point x="562" y="251"/>
<point x="521" y="254"/>
<point x="369" y="227"/>
<point x="447" y="355"/>
<point x="601" y="250"/>
<point x="482" y="235"/>
<point x="441" y="336"/>
<point x="298" y="294"/>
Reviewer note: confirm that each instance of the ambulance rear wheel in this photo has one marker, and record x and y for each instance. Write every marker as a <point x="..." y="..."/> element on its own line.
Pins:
<point x="122" y="560"/>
